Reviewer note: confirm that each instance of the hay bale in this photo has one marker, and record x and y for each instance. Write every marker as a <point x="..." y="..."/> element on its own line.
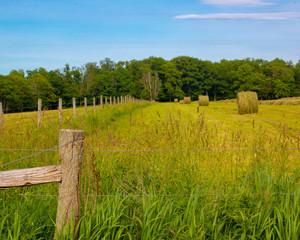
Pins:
<point x="181" y="102"/>
<point x="187" y="100"/>
<point x="247" y="102"/>
<point x="203" y="100"/>
<point x="176" y="100"/>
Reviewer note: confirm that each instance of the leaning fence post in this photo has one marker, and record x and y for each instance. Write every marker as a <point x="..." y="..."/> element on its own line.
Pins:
<point x="60" y="109"/>
<point x="71" y="155"/>
<point x="74" y="107"/>
<point x="85" y="106"/>
<point x="1" y="115"/>
<point x="39" y="111"/>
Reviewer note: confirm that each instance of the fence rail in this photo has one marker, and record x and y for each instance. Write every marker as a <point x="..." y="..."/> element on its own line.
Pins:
<point x="67" y="174"/>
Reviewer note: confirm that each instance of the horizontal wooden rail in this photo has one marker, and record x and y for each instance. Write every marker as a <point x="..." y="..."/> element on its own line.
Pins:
<point x="30" y="176"/>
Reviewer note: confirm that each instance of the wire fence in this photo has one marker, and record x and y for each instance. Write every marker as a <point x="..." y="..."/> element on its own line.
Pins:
<point x="38" y="153"/>
<point x="55" y="149"/>
<point x="41" y="151"/>
<point x="164" y="195"/>
<point x="163" y="150"/>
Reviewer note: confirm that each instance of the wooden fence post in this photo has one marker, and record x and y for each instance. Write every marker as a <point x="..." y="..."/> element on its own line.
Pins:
<point x="101" y="101"/>
<point x="114" y="100"/>
<point x="39" y="112"/>
<point x="118" y="100"/>
<point x="94" y="103"/>
<point x="105" y="100"/>
<point x="85" y="106"/>
<point x="1" y="115"/>
<point x="60" y="109"/>
<point x="71" y="155"/>
<point x="74" y="107"/>
<point x="110" y="101"/>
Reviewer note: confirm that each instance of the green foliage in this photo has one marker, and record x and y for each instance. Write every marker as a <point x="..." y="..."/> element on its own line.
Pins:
<point x="168" y="79"/>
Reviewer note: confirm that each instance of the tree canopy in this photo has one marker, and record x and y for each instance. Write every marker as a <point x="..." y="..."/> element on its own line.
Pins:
<point x="151" y="78"/>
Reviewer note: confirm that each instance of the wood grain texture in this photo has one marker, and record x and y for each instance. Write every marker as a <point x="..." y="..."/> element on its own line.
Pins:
<point x="30" y="176"/>
<point x="71" y="154"/>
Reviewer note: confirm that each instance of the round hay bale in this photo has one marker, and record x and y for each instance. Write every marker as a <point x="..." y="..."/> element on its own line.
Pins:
<point x="203" y="100"/>
<point x="247" y="102"/>
<point x="181" y="102"/>
<point x="176" y="100"/>
<point x="187" y="100"/>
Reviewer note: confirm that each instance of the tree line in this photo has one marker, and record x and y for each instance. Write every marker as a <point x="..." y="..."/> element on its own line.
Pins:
<point x="153" y="78"/>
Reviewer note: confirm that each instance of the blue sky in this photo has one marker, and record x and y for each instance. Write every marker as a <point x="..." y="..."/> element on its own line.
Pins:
<point x="51" y="33"/>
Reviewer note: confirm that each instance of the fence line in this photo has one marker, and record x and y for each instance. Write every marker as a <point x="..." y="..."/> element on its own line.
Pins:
<point x="67" y="174"/>
<point x="55" y="105"/>
<point x="35" y="154"/>
<point x="162" y="195"/>
<point x="165" y="150"/>
<point x="197" y="150"/>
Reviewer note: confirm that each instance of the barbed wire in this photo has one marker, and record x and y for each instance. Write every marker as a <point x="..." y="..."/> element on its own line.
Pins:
<point x="196" y="150"/>
<point x="20" y="149"/>
<point x="49" y="107"/>
<point x="32" y="155"/>
<point x="164" y="150"/>
<point x="163" y="195"/>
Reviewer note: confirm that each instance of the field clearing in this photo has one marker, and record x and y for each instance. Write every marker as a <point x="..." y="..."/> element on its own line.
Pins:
<point x="186" y="172"/>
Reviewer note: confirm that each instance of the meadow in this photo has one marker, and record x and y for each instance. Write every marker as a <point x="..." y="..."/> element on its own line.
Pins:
<point x="162" y="171"/>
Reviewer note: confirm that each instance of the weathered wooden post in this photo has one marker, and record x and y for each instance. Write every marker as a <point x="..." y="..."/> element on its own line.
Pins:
<point x="94" y="103"/>
<point x="39" y="112"/>
<point x="105" y="100"/>
<point x="60" y="109"/>
<point x="101" y="101"/>
<point x="74" y="107"/>
<point x="118" y="100"/>
<point x="71" y="155"/>
<point x="121" y="99"/>
<point x="114" y="100"/>
<point x="110" y="101"/>
<point x="85" y="106"/>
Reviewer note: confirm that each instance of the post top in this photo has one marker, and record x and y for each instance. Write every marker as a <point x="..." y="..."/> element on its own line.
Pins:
<point x="71" y="130"/>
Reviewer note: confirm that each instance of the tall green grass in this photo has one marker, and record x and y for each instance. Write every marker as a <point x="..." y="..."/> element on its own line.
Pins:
<point x="165" y="194"/>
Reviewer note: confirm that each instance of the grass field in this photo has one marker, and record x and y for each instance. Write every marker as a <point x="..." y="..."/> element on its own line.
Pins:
<point x="168" y="171"/>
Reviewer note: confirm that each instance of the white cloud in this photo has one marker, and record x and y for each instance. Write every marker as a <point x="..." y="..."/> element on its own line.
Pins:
<point x="242" y="16"/>
<point x="236" y="2"/>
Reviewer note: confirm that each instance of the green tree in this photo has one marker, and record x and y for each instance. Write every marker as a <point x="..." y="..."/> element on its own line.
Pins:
<point x="280" y="79"/>
<point x="192" y="75"/>
<point x="42" y="88"/>
<point x="15" y="91"/>
<point x="173" y="82"/>
<point x="297" y="79"/>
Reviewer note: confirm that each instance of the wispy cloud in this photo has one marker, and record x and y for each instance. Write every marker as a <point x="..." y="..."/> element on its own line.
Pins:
<point x="236" y="2"/>
<point x="242" y="16"/>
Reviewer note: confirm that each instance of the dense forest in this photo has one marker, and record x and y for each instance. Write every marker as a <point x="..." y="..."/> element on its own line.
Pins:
<point x="151" y="78"/>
